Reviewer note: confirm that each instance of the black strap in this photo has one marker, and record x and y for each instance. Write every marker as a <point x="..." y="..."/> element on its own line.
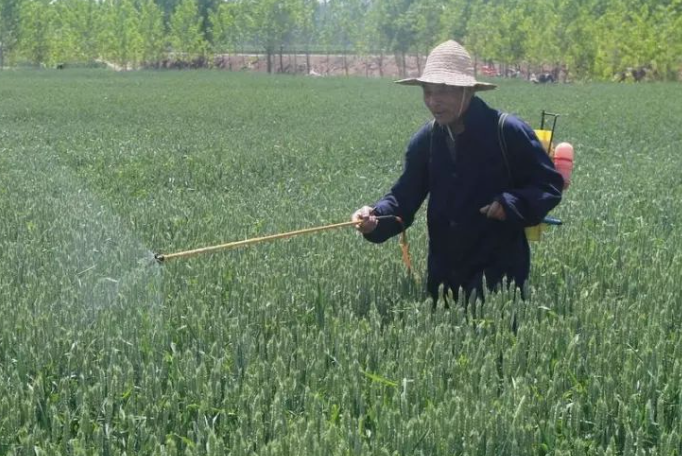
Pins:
<point x="503" y="144"/>
<point x="500" y="137"/>
<point x="432" y="126"/>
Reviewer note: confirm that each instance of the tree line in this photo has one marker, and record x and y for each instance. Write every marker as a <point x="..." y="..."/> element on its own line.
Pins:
<point x="588" y="39"/>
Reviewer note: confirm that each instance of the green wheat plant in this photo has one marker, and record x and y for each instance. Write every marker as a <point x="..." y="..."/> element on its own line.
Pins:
<point x="322" y="344"/>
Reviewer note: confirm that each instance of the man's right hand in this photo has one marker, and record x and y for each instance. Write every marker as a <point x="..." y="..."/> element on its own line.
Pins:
<point x="367" y="221"/>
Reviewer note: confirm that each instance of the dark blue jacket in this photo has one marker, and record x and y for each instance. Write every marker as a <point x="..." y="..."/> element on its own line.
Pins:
<point x="464" y="245"/>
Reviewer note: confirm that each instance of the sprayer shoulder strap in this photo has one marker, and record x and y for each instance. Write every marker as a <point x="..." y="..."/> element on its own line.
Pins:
<point x="500" y="138"/>
<point x="432" y="127"/>
<point x="503" y="144"/>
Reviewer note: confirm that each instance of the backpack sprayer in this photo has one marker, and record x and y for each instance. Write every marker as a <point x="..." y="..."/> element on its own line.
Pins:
<point x="562" y="156"/>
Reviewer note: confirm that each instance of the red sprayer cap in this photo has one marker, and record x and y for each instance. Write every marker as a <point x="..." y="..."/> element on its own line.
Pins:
<point x="563" y="161"/>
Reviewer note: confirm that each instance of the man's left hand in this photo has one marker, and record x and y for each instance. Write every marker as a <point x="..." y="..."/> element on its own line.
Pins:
<point x="494" y="210"/>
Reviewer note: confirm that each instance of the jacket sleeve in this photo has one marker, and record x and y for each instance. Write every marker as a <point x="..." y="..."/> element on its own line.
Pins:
<point x="536" y="187"/>
<point x="408" y="193"/>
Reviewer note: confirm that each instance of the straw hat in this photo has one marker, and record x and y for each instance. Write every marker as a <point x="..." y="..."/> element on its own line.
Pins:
<point x="450" y="64"/>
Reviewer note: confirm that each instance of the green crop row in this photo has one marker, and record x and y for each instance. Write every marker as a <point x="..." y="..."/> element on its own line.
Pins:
<point x="320" y="344"/>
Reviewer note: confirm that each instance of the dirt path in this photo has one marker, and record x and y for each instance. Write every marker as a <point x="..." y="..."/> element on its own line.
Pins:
<point x="321" y="65"/>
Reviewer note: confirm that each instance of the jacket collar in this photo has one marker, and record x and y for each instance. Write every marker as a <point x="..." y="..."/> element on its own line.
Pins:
<point x="474" y="115"/>
<point x="474" y="118"/>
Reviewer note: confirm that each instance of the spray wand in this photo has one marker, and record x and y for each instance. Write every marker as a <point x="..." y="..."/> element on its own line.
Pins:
<point x="189" y="253"/>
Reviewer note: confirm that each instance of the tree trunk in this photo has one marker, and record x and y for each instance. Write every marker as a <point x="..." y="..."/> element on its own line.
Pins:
<point x="381" y="63"/>
<point x="269" y="53"/>
<point x="345" y="61"/>
<point x="403" y="58"/>
<point x="419" y="64"/>
<point x="281" y="59"/>
<point x="307" y="60"/>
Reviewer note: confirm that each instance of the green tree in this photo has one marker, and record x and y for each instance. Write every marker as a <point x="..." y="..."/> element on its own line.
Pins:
<point x="86" y="22"/>
<point x="274" y="21"/>
<point x="325" y="24"/>
<point x="121" y="34"/>
<point x="580" y="52"/>
<point x="37" y="31"/>
<point x="223" y="27"/>
<point x="512" y="33"/>
<point x="377" y="40"/>
<point x="395" y="24"/>
<point x="77" y="30"/>
<point x="9" y="29"/>
<point x="204" y="8"/>
<point x="306" y="28"/>
<point x="482" y="39"/>
<point x="425" y="17"/>
<point x="668" y="60"/>
<point x="152" y="33"/>
<point x="577" y="37"/>
<point x="65" y="43"/>
<point x="244" y="27"/>
<point x="455" y="19"/>
<point x="186" y="38"/>
<point x="592" y="38"/>
<point x="610" y="50"/>
<point x="540" y="29"/>
<point x="2" y="28"/>
<point x="346" y="18"/>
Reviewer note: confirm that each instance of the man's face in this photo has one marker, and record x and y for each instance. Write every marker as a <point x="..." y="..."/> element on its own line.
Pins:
<point x="446" y="103"/>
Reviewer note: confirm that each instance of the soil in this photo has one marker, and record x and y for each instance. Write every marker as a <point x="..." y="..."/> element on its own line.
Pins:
<point x="323" y="65"/>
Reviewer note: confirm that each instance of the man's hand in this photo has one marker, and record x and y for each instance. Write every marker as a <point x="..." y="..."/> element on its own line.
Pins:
<point x="367" y="221"/>
<point x="494" y="211"/>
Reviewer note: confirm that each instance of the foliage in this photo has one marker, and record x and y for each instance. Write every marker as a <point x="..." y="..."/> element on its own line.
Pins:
<point x="275" y="22"/>
<point x="151" y="32"/>
<point x="121" y="34"/>
<point x="9" y="26"/>
<point x="224" y="27"/>
<point x="37" y="16"/>
<point x="186" y="38"/>
<point x="319" y="344"/>
<point x="589" y="39"/>
<point x="81" y="30"/>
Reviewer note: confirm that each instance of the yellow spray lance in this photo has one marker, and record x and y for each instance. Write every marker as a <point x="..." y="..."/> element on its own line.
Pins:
<point x="190" y="253"/>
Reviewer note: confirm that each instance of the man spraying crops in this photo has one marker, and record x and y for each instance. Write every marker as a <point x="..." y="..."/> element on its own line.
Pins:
<point x="481" y="194"/>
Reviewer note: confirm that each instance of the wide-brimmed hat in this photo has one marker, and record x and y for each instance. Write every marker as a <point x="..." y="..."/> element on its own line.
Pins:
<point x="450" y="64"/>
